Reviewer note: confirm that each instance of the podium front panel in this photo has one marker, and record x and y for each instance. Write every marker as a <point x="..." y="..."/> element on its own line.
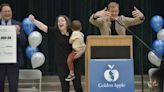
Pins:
<point x="107" y="47"/>
<point x="111" y="75"/>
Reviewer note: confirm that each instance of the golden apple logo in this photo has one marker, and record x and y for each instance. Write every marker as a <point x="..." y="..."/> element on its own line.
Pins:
<point x="111" y="75"/>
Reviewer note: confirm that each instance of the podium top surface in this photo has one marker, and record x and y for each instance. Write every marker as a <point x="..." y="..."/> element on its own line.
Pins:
<point x="111" y="60"/>
<point x="110" y="36"/>
<point x="120" y="40"/>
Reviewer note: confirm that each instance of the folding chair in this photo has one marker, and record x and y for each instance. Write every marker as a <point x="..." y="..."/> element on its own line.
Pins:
<point x="30" y="75"/>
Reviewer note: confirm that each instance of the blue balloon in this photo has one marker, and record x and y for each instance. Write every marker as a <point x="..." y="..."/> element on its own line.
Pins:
<point x="158" y="46"/>
<point x="30" y="51"/>
<point x="157" y="23"/>
<point x="28" y="26"/>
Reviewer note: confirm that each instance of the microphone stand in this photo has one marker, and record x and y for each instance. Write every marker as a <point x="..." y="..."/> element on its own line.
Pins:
<point x="135" y="35"/>
<point x="142" y="81"/>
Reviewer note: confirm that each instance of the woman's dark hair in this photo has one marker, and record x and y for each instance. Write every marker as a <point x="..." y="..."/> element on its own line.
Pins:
<point x="4" y="4"/>
<point x="67" y="20"/>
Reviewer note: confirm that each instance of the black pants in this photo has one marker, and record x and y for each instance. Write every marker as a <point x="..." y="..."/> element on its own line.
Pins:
<point x="161" y="85"/>
<point x="63" y="72"/>
<point x="12" y="73"/>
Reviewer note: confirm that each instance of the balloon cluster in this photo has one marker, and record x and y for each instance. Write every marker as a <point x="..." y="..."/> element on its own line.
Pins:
<point x="155" y="56"/>
<point x="34" y="38"/>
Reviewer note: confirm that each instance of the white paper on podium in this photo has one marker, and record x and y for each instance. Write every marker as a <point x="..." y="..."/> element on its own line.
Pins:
<point x="8" y="44"/>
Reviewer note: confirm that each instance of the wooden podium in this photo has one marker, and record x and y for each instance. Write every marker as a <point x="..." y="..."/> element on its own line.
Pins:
<point x="107" y="47"/>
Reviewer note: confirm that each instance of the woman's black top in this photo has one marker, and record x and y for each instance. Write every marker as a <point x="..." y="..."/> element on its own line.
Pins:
<point x="59" y="44"/>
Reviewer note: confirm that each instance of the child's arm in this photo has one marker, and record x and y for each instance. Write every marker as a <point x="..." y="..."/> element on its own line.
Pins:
<point x="73" y="37"/>
<point x="80" y="53"/>
<point x="71" y="40"/>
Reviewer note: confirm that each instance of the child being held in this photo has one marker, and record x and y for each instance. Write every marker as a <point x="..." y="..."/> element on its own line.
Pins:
<point x="77" y="41"/>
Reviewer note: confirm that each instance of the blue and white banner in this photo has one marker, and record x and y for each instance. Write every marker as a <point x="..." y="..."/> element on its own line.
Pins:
<point x="111" y="75"/>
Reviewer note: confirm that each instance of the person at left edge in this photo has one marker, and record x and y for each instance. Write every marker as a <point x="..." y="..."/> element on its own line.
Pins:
<point x="11" y="70"/>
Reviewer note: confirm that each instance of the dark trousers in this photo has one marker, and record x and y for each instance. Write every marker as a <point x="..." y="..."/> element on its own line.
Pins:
<point x="161" y="76"/>
<point x="161" y="85"/>
<point x="63" y="71"/>
<point x="11" y="71"/>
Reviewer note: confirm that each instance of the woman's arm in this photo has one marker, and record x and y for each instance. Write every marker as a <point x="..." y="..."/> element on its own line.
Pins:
<point x="39" y="24"/>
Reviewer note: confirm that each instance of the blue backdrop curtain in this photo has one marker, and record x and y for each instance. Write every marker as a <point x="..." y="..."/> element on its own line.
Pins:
<point x="47" y="10"/>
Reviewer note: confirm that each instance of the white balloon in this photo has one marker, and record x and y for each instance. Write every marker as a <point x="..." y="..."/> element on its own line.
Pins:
<point x="35" y="38"/>
<point x="37" y="59"/>
<point x="160" y="34"/>
<point x="154" y="59"/>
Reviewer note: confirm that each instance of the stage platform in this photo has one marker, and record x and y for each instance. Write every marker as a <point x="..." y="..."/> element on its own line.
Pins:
<point x="52" y="84"/>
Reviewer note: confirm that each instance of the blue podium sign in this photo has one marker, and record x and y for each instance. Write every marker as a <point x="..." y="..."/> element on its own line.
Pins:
<point x="111" y="75"/>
